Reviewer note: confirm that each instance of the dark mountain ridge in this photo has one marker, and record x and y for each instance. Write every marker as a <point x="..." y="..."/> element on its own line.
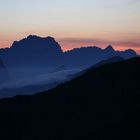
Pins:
<point x="45" y="51"/>
<point x="32" y="51"/>
<point x="88" y="56"/>
<point x="101" y="104"/>
<point x="109" y="61"/>
<point x="31" y="62"/>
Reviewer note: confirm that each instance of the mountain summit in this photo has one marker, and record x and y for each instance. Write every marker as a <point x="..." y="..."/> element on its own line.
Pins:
<point x="32" y="51"/>
<point x="38" y="43"/>
<point x="109" y="48"/>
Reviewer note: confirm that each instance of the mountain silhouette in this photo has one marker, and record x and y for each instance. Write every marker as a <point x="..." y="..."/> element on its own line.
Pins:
<point x="43" y="82"/>
<point x="110" y="60"/>
<point x="32" y="51"/>
<point x="32" y="60"/>
<point x="85" y="57"/>
<point x="36" y="83"/>
<point x="35" y="51"/>
<point x="109" y="49"/>
<point x="103" y="103"/>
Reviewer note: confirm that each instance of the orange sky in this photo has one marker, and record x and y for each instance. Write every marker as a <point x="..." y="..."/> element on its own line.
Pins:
<point x="69" y="43"/>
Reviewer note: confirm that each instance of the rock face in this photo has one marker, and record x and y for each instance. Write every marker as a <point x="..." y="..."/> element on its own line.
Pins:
<point x="103" y="103"/>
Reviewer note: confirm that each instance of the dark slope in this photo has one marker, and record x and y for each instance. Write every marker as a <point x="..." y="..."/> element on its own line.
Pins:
<point x="110" y="60"/>
<point x="102" y="104"/>
<point x="4" y="75"/>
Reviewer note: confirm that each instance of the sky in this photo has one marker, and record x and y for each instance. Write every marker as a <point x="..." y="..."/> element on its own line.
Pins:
<point x="73" y="23"/>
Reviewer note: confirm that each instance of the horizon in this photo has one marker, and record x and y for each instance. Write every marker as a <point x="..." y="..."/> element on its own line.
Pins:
<point x="86" y="46"/>
<point x="72" y="23"/>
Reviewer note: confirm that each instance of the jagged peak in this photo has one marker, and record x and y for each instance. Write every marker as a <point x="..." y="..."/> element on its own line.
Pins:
<point x="30" y="37"/>
<point x="39" y="37"/>
<point x="34" y="41"/>
<point x="109" y="48"/>
<point x="50" y="38"/>
<point x="130" y="50"/>
<point x="34" y="38"/>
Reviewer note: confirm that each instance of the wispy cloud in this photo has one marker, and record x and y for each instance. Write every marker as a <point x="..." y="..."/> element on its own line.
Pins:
<point x="69" y="43"/>
<point x="134" y="44"/>
<point x="124" y="43"/>
<point x="83" y="40"/>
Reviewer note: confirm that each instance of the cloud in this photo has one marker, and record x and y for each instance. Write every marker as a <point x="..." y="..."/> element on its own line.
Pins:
<point x="69" y="43"/>
<point x="125" y="43"/>
<point x="83" y="40"/>
<point x="134" y="44"/>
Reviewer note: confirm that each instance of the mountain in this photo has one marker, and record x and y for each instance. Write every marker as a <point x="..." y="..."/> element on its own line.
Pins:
<point x="85" y="57"/>
<point x="110" y="60"/>
<point x="101" y="104"/>
<point x="32" y="51"/>
<point x="104" y="62"/>
<point x="34" y="57"/>
<point x="43" y="82"/>
<point x="37" y="83"/>
<point x="127" y="53"/>
<point x="45" y="52"/>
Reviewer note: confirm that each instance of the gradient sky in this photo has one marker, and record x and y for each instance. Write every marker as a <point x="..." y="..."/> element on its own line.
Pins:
<point x="73" y="23"/>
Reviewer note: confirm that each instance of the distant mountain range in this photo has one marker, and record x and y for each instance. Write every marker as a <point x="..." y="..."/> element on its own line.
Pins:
<point x="88" y="56"/>
<point x="35" y="64"/>
<point x="44" y="52"/>
<point x="101" y="104"/>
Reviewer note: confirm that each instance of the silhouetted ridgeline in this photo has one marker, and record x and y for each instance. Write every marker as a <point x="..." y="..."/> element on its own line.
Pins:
<point x="31" y="51"/>
<point x="35" y="63"/>
<point x="88" y="56"/>
<point x="102" y="104"/>
<point x="109" y="61"/>
<point x="45" y="52"/>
